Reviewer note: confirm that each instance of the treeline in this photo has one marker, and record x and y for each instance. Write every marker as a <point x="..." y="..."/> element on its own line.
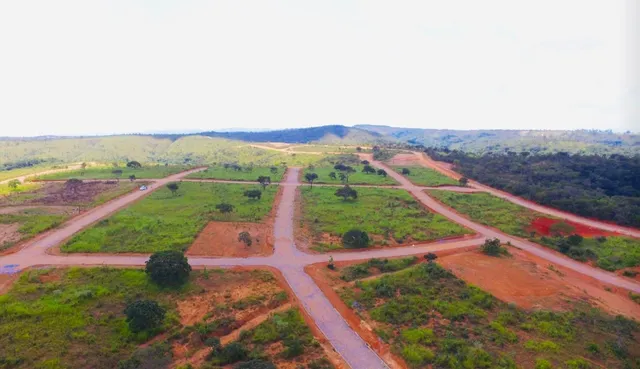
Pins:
<point x="602" y="187"/>
<point x="21" y="164"/>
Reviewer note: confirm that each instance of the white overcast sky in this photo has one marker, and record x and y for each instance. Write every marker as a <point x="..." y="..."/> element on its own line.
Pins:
<point x="94" y="67"/>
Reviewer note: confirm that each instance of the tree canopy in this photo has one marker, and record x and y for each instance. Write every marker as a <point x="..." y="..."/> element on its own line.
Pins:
<point x="168" y="268"/>
<point x="355" y="239"/>
<point x="143" y="315"/>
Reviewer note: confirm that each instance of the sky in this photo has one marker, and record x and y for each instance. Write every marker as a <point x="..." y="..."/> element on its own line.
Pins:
<point x="102" y="67"/>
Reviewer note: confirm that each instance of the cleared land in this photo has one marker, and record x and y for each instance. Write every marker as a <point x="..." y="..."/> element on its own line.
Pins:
<point x="354" y="178"/>
<point x="606" y="250"/>
<point x="426" y="317"/>
<point x="242" y="173"/>
<point x="74" y="318"/>
<point x="426" y="177"/>
<point x="389" y="216"/>
<point x="167" y="221"/>
<point x="40" y="207"/>
<point x="158" y="171"/>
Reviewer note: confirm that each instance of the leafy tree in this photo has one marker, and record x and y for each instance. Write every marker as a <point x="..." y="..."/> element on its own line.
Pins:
<point x="430" y="257"/>
<point x="264" y="181"/>
<point x="365" y="162"/>
<point x="493" y="247"/>
<point x="406" y="171"/>
<point x="224" y="208"/>
<point x="342" y="177"/>
<point x="117" y="173"/>
<point x="310" y="177"/>
<point x="253" y="194"/>
<point x="574" y="239"/>
<point x="245" y="237"/>
<point x="347" y="171"/>
<point x="168" y="268"/>
<point x="368" y="169"/>
<point x="332" y="175"/>
<point x="358" y="149"/>
<point x="132" y="177"/>
<point x="143" y="315"/>
<point x="13" y="184"/>
<point x="173" y="187"/>
<point x="83" y="166"/>
<point x="339" y="167"/>
<point x="347" y="192"/>
<point x="355" y="239"/>
<point x="382" y="172"/>
<point x="274" y="170"/>
<point x="134" y="164"/>
<point x="463" y="181"/>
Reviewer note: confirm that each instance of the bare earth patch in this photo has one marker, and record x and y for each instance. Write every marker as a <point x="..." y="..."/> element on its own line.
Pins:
<point x="404" y="159"/>
<point x="60" y="210"/>
<point x="9" y="233"/>
<point x="221" y="239"/>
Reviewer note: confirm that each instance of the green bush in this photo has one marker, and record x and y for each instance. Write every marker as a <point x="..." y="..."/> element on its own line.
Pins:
<point x="168" y="268"/>
<point x="418" y="335"/>
<point x="143" y="315"/>
<point x="355" y="239"/>
<point x="417" y="355"/>
<point x="542" y="346"/>
<point x="578" y="364"/>
<point x="543" y="364"/>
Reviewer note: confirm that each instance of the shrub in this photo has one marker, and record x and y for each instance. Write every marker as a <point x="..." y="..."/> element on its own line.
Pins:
<point x="578" y="364"/>
<point x="143" y="315"/>
<point x="418" y="335"/>
<point x="232" y="353"/>
<point x="492" y="247"/>
<point x="168" y="268"/>
<point x="542" y="346"/>
<point x="543" y="364"/>
<point x="355" y="239"/>
<point x="417" y="355"/>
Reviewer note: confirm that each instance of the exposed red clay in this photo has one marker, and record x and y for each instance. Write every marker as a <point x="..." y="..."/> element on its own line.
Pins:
<point x="543" y="225"/>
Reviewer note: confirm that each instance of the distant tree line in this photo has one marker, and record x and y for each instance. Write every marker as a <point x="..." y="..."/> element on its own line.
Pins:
<point x="602" y="187"/>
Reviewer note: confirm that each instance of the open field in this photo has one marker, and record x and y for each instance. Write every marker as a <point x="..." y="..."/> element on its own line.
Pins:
<point x="6" y="190"/>
<point x="426" y="177"/>
<point x="156" y="171"/>
<point x="328" y="149"/>
<point x="389" y="216"/>
<point x="74" y="318"/>
<point x="426" y="317"/>
<point x="246" y="173"/>
<point x="606" y="250"/>
<point x="43" y="206"/>
<point x="19" y="172"/>
<point x="354" y="178"/>
<point x="164" y="221"/>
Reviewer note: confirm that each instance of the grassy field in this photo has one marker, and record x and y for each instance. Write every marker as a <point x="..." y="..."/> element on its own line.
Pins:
<point x="432" y="319"/>
<point x="5" y="190"/>
<point x="610" y="253"/>
<point x="156" y="171"/>
<point x="426" y="176"/>
<point x="328" y="148"/>
<point x="390" y="216"/>
<point x="14" y="173"/>
<point x="244" y="174"/>
<point x="162" y="221"/>
<point x="355" y="178"/>
<point x="30" y="223"/>
<point x="74" y="318"/>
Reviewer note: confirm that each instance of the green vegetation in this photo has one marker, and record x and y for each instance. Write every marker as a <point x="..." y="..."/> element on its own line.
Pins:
<point x="610" y="253"/>
<point x="430" y="317"/>
<point x="493" y="247"/>
<point x="8" y="190"/>
<point x="367" y="269"/>
<point x="168" y="268"/>
<point x="8" y="173"/>
<point x="162" y="221"/>
<point x="358" y="177"/>
<point x="30" y="223"/>
<point x="355" y="239"/>
<point x="385" y="214"/>
<point x="426" y="177"/>
<point x="120" y="172"/>
<point x="240" y="173"/>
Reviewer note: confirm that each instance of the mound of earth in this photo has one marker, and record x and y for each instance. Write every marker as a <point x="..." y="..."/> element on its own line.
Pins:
<point x="543" y="226"/>
<point x="221" y="239"/>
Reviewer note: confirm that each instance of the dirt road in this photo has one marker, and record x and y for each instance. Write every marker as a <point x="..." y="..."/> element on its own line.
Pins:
<point x="24" y="177"/>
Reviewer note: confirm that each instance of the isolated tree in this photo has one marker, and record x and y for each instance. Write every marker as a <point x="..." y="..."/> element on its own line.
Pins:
<point x="332" y="175"/>
<point x="310" y="177"/>
<point x="463" y="181"/>
<point x="347" y="172"/>
<point x="274" y="170"/>
<point x="492" y="247"/>
<point x="355" y="239"/>
<point x="143" y="315"/>
<point x="83" y="166"/>
<point x="368" y="169"/>
<point x="365" y="162"/>
<point x="264" y="181"/>
<point x="134" y="164"/>
<point x="382" y="172"/>
<point x="253" y="194"/>
<point x="13" y="184"/>
<point x="574" y="239"/>
<point x="340" y="167"/>
<point x="132" y="177"/>
<point x="245" y="237"/>
<point x="347" y="192"/>
<point x="117" y="173"/>
<point x="406" y="171"/>
<point x="224" y="208"/>
<point x="168" y="268"/>
<point x="430" y="257"/>
<point x="173" y="187"/>
<point x="358" y="149"/>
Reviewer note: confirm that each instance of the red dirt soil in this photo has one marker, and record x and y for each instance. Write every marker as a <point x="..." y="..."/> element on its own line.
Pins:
<point x="221" y="239"/>
<point x="404" y="159"/>
<point x="542" y="226"/>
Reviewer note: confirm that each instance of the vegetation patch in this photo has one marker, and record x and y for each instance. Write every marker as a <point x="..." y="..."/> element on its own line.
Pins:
<point x="610" y="252"/>
<point x="388" y="216"/>
<point x="236" y="172"/>
<point x="121" y="171"/>
<point x="168" y="220"/>
<point x="425" y="176"/>
<point x="356" y="177"/>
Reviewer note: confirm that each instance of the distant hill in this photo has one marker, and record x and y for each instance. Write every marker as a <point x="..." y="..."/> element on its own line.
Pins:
<point x="324" y="134"/>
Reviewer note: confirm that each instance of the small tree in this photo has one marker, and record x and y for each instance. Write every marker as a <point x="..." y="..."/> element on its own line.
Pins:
<point x="224" y="208"/>
<point x="343" y="177"/>
<point x="310" y="177"/>
<point x="332" y="175"/>
<point x="358" y="149"/>
<point x="168" y="268"/>
<point x="347" y="192"/>
<point x="143" y="315"/>
<point x="132" y="177"/>
<point x="134" y="164"/>
<point x="117" y="173"/>
<point x="368" y="169"/>
<point x="245" y="237"/>
<point x="173" y="187"/>
<point x="13" y="184"/>
<point x="253" y="194"/>
<point x="83" y="166"/>
<point x="347" y="172"/>
<point x="406" y="171"/>
<point x="264" y="181"/>
<point x="430" y="257"/>
<point x="574" y="239"/>
<point x="274" y="170"/>
<point x="463" y="181"/>
<point x="382" y="172"/>
<point x="492" y="247"/>
<point x="365" y="162"/>
<point x="355" y="239"/>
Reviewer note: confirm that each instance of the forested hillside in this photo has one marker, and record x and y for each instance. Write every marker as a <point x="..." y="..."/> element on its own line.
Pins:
<point x="323" y="134"/>
<point x="602" y="187"/>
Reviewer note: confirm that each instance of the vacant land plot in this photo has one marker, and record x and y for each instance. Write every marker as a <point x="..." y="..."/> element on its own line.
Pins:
<point x="6" y="189"/>
<point x="426" y="176"/>
<point x="359" y="177"/>
<point x="44" y="206"/>
<point x="122" y="172"/>
<point x="222" y="239"/>
<point x="429" y="318"/>
<point x="608" y="251"/>
<point x="389" y="216"/>
<point x="74" y="318"/>
<point x="240" y="173"/>
<point x="167" y="221"/>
